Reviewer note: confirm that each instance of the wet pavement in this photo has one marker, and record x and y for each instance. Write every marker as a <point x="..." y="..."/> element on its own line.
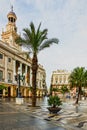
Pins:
<point x="71" y="117"/>
<point x="12" y="117"/>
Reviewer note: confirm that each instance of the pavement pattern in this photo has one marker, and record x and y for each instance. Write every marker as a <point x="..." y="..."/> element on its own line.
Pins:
<point x="71" y="117"/>
<point x="13" y="118"/>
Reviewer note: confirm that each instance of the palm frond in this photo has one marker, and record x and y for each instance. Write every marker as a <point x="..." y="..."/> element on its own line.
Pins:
<point x="38" y="30"/>
<point x="48" y="43"/>
<point x="35" y="40"/>
<point x="77" y="77"/>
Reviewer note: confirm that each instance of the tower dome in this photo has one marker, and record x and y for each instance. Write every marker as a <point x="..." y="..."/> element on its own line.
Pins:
<point x="11" y="16"/>
<point x="10" y="34"/>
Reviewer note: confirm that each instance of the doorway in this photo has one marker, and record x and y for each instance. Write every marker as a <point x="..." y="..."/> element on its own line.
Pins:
<point x="9" y="91"/>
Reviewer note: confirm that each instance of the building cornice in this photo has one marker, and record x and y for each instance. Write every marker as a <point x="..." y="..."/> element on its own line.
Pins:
<point x="13" y="52"/>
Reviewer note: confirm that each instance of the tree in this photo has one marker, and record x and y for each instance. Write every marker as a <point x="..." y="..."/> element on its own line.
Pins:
<point x="2" y="87"/>
<point x="78" y="79"/>
<point x="55" y="90"/>
<point x="35" y="41"/>
<point x="64" y="89"/>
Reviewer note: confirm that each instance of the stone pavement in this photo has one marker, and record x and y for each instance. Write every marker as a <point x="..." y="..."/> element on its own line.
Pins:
<point x="71" y="117"/>
<point x="13" y="118"/>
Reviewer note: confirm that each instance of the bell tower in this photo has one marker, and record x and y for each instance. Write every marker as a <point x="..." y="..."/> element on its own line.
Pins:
<point x="10" y="34"/>
<point x="11" y="26"/>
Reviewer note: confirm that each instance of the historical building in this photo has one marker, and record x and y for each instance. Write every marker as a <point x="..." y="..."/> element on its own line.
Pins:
<point x="59" y="78"/>
<point x="11" y="58"/>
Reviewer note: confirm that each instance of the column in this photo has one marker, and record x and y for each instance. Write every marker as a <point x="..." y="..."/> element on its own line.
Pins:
<point x="6" y="74"/>
<point x="21" y="67"/>
<point x="12" y="89"/>
<point x="25" y="92"/>
<point x="14" y="70"/>
<point x="26" y="76"/>
<point x="21" y="73"/>
<point x="58" y="79"/>
<point x="4" y="92"/>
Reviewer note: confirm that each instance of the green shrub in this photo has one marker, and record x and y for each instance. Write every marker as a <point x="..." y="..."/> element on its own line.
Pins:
<point x="2" y="87"/>
<point x="54" y="101"/>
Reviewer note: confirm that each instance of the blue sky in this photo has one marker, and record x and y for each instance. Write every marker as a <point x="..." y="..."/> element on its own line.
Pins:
<point x="64" y="19"/>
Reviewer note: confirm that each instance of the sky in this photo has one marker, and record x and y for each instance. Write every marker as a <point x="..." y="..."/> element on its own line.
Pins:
<point x="64" y="19"/>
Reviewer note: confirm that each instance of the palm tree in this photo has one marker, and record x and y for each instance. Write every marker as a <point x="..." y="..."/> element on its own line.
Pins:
<point x="35" y="41"/>
<point x="78" y="79"/>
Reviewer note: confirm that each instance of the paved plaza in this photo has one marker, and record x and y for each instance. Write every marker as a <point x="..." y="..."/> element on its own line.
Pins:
<point x="12" y="117"/>
<point x="24" y="117"/>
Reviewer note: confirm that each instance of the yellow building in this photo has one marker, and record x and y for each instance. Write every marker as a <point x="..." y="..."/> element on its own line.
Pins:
<point x="11" y="58"/>
<point x="59" y="78"/>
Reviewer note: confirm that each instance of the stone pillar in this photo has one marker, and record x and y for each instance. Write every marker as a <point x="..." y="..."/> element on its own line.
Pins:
<point x="62" y="78"/>
<point x="26" y="76"/>
<point x="21" y="67"/>
<point x="25" y="92"/>
<point x="4" y="92"/>
<point x="21" y="73"/>
<point x="58" y="79"/>
<point x="6" y="64"/>
<point x="37" y="93"/>
<point x="40" y="93"/>
<point x="30" y="93"/>
<point x="14" y="71"/>
<point x="12" y="89"/>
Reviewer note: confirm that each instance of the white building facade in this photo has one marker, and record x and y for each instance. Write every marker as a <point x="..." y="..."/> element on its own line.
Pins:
<point x="11" y="58"/>
<point x="59" y="78"/>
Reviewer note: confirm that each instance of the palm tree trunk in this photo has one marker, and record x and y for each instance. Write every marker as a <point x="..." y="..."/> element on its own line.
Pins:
<point x="34" y="75"/>
<point x="77" y="100"/>
<point x="78" y="96"/>
<point x="80" y="93"/>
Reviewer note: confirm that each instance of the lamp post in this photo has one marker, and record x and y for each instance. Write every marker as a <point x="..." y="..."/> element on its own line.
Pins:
<point x="19" y="77"/>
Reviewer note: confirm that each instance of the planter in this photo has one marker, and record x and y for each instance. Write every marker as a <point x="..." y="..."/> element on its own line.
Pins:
<point x="54" y="110"/>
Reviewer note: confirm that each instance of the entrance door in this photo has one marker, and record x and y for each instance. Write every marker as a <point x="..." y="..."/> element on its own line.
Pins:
<point x="9" y="92"/>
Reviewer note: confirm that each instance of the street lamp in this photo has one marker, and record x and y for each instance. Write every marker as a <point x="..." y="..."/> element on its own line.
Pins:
<point x="19" y="77"/>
